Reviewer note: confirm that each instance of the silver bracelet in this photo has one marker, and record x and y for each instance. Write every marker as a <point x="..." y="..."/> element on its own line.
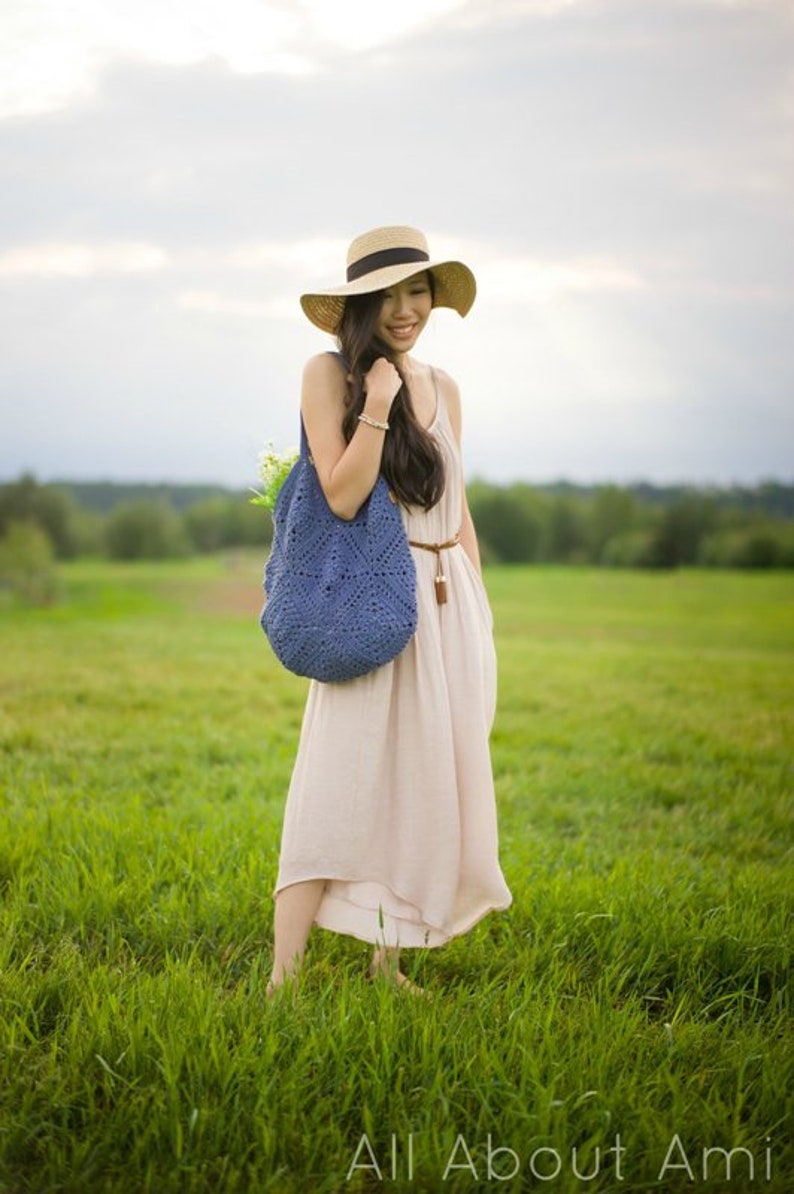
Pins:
<point x="362" y="418"/>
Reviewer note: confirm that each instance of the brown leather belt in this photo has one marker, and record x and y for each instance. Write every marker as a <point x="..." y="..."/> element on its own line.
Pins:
<point x="440" y="578"/>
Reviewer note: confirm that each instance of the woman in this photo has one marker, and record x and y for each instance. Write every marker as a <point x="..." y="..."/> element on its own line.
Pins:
<point x="390" y="824"/>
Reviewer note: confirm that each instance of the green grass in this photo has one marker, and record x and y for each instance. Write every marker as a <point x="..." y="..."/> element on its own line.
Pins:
<point x="635" y="994"/>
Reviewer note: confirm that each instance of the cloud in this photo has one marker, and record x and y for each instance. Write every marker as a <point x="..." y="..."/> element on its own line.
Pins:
<point x="617" y="175"/>
<point x="82" y="260"/>
<point x="285" y="269"/>
<point x="52" y="54"/>
<point x="305" y="260"/>
<point x="356" y="26"/>
<point x="526" y="279"/>
<point x="222" y="304"/>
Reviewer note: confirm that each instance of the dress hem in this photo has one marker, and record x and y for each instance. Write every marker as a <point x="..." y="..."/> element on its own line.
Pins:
<point x="337" y="914"/>
<point x="442" y="937"/>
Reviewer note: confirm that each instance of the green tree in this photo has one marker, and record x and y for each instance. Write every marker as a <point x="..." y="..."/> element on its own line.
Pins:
<point x="611" y="512"/>
<point x="145" y="530"/>
<point x="509" y="529"/>
<point x="220" y="522"/>
<point x="565" y="535"/>
<point x="26" y="500"/>
<point x="628" y="549"/>
<point x="680" y="530"/>
<point x="761" y="545"/>
<point x="27" y="566"/>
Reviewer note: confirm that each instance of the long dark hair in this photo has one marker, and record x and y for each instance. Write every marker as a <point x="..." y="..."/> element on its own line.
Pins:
<point x="412" y="463"/>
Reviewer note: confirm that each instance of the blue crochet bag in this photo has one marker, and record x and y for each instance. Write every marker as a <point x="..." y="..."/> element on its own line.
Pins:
<point x="340" y="596"/>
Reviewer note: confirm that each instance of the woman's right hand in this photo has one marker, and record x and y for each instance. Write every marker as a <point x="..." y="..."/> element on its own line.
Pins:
<point x="382" y="384"/>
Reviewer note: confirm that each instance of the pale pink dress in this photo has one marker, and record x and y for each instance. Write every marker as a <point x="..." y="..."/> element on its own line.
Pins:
<point x="392" y="796"/>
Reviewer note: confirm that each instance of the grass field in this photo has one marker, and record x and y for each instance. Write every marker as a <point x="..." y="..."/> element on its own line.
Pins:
<point x="624" y="1021"/>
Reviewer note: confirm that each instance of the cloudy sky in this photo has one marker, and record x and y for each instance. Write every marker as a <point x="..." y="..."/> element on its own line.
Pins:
<point x="618" y="173"/>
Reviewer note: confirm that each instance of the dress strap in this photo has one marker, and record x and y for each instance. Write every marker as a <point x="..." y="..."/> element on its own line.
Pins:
<point x="437" y="392"/>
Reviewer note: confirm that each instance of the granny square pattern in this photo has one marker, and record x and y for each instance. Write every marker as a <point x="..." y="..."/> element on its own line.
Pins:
<point x="340" y="596"/>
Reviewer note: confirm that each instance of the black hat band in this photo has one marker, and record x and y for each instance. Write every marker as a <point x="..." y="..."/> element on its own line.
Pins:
<point x="382" y="259"/>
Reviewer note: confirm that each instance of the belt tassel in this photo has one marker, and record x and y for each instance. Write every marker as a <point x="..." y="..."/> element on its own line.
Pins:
<point x="440" y="579"/>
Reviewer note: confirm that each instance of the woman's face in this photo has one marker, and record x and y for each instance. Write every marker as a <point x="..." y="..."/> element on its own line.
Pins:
<point x="405" y="311"/>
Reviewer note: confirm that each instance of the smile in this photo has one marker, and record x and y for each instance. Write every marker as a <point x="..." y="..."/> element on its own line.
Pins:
<point x="402" y="332"/>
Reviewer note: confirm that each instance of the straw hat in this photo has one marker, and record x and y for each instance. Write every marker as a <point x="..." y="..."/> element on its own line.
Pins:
<point x="382" y="258"/>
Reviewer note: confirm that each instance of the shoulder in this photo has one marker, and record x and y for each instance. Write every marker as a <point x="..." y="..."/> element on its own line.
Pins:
<point x="447" y="385"/>
<point x="324" y="378"/>
<point x="325" y="367"/>
<point x="449" y="390"/>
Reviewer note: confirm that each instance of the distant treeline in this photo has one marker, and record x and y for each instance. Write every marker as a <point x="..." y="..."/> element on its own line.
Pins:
<point x="637" y="525"/>
<point x="770" y="497"/>
<point x="103" y="496"/>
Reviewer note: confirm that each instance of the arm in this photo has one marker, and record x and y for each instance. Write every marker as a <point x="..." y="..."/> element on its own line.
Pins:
<point x="468" y="534"/>
<point x="347" y="472"/>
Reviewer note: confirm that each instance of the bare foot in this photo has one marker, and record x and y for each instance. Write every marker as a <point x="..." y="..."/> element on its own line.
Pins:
<point x="405" y="984"/>
<point x="274" y="989"/>
<point x="382" y="969"/>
